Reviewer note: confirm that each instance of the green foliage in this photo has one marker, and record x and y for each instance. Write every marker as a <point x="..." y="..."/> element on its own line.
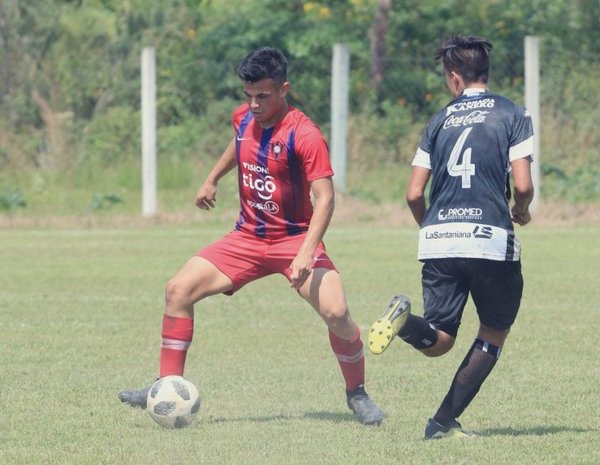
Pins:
<point x="112" y="136"/>
<point x="82" y="61"/>
<point x="11" y="198"/>
<point x="104" y="201"/>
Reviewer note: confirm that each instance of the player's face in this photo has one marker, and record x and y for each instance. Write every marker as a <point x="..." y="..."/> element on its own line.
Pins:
<point x="267" y="101"/>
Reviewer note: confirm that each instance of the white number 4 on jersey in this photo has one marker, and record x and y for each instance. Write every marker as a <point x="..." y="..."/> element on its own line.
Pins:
<point x="464" y="169"/>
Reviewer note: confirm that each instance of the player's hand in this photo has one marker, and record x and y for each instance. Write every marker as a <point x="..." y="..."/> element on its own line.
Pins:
<point x="519" y="216"/>
<point x="206" y="197"/>
<point x="301" y="268"/>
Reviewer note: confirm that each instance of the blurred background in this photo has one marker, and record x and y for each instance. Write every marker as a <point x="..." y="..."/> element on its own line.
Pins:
<point x="70" y="123"/>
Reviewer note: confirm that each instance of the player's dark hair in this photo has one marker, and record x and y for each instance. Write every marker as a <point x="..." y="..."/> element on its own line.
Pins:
<point x="264" y="63"/>
<point x="468" y="56"/>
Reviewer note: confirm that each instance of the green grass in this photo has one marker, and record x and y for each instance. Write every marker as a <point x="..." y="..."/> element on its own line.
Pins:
<point x="80" y="315"/>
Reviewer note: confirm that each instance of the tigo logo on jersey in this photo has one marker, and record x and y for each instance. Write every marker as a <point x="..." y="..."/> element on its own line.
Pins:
<point x="263" y="187"/>
<point x="260" y="181"/>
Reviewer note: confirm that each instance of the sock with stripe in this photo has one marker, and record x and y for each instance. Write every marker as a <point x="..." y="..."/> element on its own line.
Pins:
<point x="471" y="374"/>
<point x="350" y="357"/>
<point x="177" y="336"/>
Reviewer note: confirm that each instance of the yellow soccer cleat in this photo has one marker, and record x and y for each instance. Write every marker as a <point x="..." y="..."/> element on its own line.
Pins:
<point x="388" y="324"/>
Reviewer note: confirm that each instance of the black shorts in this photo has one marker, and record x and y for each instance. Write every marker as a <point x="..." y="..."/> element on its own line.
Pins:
<point x="495" y="286"/>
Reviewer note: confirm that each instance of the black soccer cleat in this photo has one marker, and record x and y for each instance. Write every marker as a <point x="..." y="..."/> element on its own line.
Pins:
<point x="434" y="430"/>
<point x="136" y="398"/>
<point x="364" y="408"/>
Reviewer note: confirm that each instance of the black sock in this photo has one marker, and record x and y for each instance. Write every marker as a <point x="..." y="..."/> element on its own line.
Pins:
<point x="471" y="374"/>
<point x="418" y="332"/>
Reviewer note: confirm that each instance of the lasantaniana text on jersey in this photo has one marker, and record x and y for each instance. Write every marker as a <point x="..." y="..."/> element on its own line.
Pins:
<point x="468" y="146"/>
<point x="275" y="168"/>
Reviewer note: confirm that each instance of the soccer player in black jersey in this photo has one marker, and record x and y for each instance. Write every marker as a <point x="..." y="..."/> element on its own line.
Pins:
<point x="466" y="240"/>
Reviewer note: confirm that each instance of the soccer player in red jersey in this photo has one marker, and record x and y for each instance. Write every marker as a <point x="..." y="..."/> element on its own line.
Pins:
<point x="281" y="159"/>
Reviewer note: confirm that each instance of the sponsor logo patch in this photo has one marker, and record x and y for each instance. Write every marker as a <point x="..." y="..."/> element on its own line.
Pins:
<point x="466" y="213"/>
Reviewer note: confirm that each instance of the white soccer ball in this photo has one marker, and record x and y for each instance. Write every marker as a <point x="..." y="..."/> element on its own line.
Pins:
<point x="173" y="402"/>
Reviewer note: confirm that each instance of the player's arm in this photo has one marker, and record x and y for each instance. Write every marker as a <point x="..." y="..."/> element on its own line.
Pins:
<point x="324" y="203"/>
<point x="207" y="194"/>
<point x="523" y="187"/>
<point x="415" y="192"/>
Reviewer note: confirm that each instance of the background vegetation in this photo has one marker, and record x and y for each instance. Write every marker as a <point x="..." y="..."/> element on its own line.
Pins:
<point x="69" y="88"/>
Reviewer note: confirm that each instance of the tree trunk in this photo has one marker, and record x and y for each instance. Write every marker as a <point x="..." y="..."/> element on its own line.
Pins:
<point x="52" y="158"/>
<point x="378" y="42"/>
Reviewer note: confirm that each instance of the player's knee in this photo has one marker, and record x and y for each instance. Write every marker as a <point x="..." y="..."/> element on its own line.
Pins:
<point x="442" y="346"/>
<point x="175" y="293"/>
<point x="336" y="316"/>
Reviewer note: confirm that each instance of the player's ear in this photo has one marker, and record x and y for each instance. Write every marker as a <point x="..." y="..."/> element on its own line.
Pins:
<point x="455" y="83"/>
<point x="284" y="89"/>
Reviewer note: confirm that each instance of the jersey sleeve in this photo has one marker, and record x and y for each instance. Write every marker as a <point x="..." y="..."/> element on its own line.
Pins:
<point x="422" y="156"/>
<point x="238" y="115"/>
<point x="521" y="142"/>
<point x="313" y="151"/>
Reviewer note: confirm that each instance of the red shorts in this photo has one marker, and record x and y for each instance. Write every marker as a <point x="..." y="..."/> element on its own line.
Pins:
<point x="244" y="258"/>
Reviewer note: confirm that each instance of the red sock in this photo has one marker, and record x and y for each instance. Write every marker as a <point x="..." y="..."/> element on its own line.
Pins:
<point x="351" y="358"/>
<point x="177" y="335"/>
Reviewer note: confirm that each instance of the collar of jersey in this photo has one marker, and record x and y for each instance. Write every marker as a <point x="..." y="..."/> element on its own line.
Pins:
<point x="474" y="90"/>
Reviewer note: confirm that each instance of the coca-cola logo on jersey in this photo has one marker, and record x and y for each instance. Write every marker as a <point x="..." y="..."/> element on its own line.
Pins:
<point x="475" y="117"/>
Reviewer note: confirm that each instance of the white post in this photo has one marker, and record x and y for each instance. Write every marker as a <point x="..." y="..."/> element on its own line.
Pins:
<point x="532" y="102"/>
<point x="148" y="70"/>
<point x="340" y="89"/>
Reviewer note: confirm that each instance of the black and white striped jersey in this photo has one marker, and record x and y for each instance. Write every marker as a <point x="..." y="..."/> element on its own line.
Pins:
<point x="468" y="146"/>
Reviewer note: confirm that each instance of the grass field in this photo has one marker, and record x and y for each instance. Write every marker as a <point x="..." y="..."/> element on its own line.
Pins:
<point x="80" y="315"/>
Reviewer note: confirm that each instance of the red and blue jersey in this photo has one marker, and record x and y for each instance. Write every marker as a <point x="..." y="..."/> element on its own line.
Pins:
<point x="275" y="168"/>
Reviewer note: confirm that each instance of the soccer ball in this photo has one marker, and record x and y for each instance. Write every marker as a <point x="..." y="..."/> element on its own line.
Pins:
<point x="173" y="402"/>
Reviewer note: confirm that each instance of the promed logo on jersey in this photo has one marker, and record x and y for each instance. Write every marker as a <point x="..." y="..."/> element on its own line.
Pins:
<point x="467" y="213"/>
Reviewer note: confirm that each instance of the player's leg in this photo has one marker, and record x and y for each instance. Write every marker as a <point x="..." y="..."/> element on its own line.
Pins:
<point x="324" y="291"/>
<point x="198" y="278"/>
<point x="434" y="333"/>
<point x="473" y="371"/>
<point x="414" y="330"/>
<point x="496" y="289"/>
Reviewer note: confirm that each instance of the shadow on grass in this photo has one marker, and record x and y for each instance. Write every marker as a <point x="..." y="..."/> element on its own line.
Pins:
<point x="538" y="431"/>
<point x="338" y="417"/>
<point x="333" y="417"/>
